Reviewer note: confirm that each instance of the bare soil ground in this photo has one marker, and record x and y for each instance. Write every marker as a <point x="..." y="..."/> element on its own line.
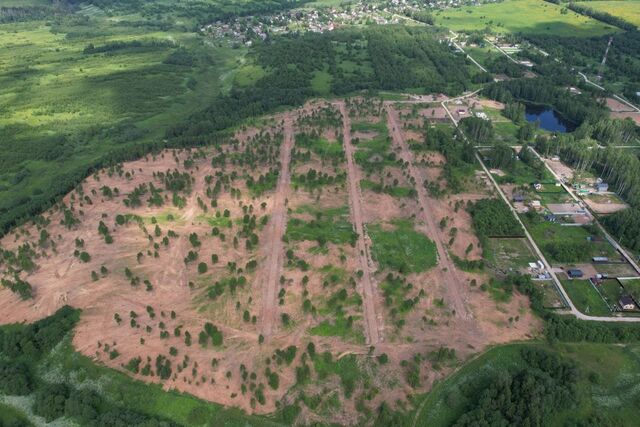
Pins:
<point x="161" y="296"/>
<point x="604" y="208"/>
<point x="366" y="263"/>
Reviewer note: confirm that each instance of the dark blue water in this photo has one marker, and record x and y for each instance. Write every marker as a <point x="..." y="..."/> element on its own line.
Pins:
<point x="548" y="119"/>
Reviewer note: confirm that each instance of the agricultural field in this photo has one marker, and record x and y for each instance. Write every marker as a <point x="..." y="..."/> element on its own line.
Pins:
<point x="629" y="10"/>
<point x="521" y="16"/>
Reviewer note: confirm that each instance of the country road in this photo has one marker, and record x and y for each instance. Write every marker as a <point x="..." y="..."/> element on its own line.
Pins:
<point x="452" y="280"/>
<point x="372" y="326"/>
<point x="271" y="268"/>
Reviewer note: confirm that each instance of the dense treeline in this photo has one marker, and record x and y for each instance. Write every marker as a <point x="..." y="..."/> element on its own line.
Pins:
<point x="458" y="153"/>
<point x="200" y="12"/>
<point x="38" y="338"/>
<point x="401" y="58"/>
<point x="623" y="63"/>
<point x="493" y="218"/>
<point x="478" y="130"/>
<point x="530" y="396"/>
<point x="410" y="57"/>
<point x="624" y="225"/>
<point x="575" y="108"/>
<point x="21" y="346"/>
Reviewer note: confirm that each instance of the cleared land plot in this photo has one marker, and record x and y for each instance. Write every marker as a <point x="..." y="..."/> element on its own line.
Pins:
<point x="526" y="16"/>
<point x="506" y="254"/>
<point x="569" y="244"/>
<point x="616" y="270"/>
<point x="550" y="296"/>
<point x="585" y="297"/>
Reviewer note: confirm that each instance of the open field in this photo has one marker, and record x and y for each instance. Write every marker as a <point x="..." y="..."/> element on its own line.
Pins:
<point x="629" y="10"/>
<point x="522" y="16"/>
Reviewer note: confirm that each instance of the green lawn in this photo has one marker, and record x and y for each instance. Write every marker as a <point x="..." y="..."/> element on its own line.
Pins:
<point x="629" y="10"/>
<point x="611" y="290"/>
<point x="585" y="297"/>
<point x="522" y="16"/>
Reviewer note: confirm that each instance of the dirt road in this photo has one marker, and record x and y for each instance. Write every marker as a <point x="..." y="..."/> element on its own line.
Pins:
<point x="364" y="259"/>
<point x="271" y="268"/>
<point x="452" y="280"/>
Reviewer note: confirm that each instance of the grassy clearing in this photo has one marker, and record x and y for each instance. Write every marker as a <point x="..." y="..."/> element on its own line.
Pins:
<point x="607" y="383"/>
<point x="508" y="253"/>
<point x="65" y="108"/>
<point x="522" y="16"/>
<point x="329" y="225"/>
<point x="550" y="296"/>
<point x="395" y="191"/>
<point x="402" y="248"/>
<point x="629" y="10"/>
<point x="585" y="297"/>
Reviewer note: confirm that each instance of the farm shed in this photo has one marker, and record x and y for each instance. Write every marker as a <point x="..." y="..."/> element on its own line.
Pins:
<point x="574" y="273"/>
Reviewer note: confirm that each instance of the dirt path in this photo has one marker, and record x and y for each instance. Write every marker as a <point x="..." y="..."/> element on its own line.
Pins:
<point x="271" y="269"/>
<point x="355" y="203"/>
<point x="450" y="276"/>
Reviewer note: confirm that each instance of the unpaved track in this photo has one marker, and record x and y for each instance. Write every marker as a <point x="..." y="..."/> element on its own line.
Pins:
<point x="269" y="273"/>
<point x="450" y="276"/>
<point x="364" y="259"/>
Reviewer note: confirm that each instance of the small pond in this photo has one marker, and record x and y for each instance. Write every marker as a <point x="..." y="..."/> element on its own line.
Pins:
<point x="548" y="118"/>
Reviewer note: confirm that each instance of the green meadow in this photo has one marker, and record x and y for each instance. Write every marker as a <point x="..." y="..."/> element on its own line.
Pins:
<point x="522" y="16"/>
<point x="75" y="90"/>
<point x="629" y="10"/>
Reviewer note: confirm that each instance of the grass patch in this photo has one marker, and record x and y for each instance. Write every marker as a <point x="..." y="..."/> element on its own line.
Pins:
<point x="402" y="249"/>
<point x="568" y="244"/>
<point x="391" y="190"/>
<point x="506" y="254"/>
<point x="585" y="297"/>
<point x="329" y="225"/>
